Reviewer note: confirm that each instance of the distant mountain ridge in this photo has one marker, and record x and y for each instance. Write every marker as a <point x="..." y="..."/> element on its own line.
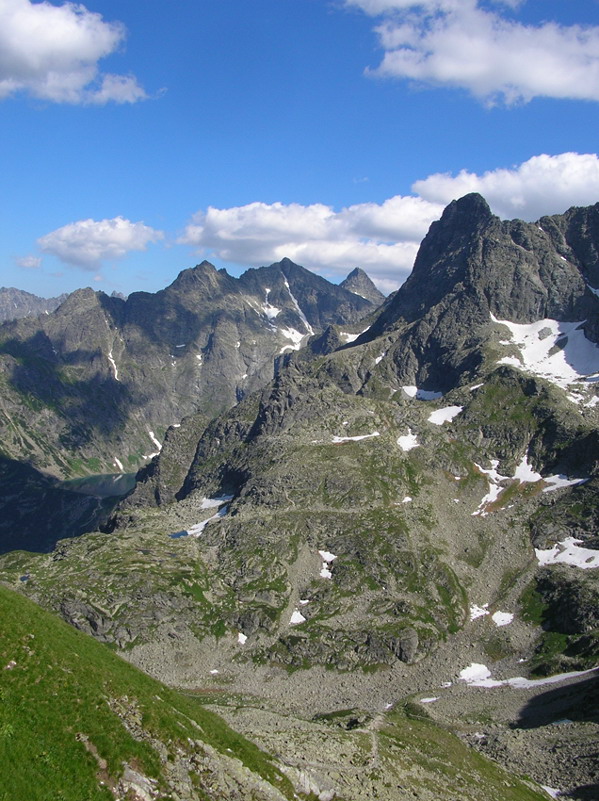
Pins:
<point x="16" y="303"/>
<point x="94" y="386"/>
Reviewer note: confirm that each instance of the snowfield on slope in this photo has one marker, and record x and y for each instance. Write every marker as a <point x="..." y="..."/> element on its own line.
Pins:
<point x="557" y="352"/>
<point x="569" y="552"/>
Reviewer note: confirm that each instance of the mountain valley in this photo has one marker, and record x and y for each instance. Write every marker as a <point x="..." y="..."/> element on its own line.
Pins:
<point x="369" y="537"/>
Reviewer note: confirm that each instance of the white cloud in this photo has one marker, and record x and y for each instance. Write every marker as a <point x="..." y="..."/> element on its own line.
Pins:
<point x="381" y="237"/>
<point x="542" y="185"/>
<point x="86" y="243"/>
<point x="52" y="52"/>
<point x="29" y="262"/>
<point x="457" y="43"/>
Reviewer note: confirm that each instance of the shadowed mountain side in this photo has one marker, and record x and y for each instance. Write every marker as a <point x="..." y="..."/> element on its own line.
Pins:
<point x="578" y="700"/>
<point x="36" y="511"/>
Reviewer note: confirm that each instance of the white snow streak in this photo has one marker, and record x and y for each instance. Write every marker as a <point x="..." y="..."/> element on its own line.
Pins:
<point x="198" y="528"/>
<point x="113" y="365"/>
<point x="477" y="675"/>
<point x="336" y="440"/>
<point x="302" y="316"/>
<point x="154" y="440"/>
<point x="551" y="791"/>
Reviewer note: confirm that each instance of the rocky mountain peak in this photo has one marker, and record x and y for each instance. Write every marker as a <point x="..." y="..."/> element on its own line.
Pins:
<point x="360" y="284"/>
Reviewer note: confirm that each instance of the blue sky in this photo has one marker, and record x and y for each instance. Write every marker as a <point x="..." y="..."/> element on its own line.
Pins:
<point x="139" y="138"/>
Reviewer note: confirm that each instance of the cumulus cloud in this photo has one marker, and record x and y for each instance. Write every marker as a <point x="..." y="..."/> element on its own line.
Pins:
<point x="383" y="237"/>
<point x="498" y="59"/>
<point x="87" y="243"/>
<point x="542" y="185"/>
<point x="52" y="52"/>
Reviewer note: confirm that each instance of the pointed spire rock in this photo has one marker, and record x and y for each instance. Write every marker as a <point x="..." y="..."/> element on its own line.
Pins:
<point x="360" y="284"/>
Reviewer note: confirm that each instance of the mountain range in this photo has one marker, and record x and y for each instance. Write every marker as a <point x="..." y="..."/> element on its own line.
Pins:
<point x="354" y="510"/>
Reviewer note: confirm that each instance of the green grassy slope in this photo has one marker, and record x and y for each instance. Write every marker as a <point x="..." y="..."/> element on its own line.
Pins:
<point x="72" y="713"/>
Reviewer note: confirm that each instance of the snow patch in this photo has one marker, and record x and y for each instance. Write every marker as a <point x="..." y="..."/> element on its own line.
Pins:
<point x="445" y="415"/>
<point x="430" y="700"/>
<point x="476" y="386"/>
<point x="327" y="558"/>
<point x="347" y="338"/>
<point x="422" y="394"/>
<point x="569" y="552"/>
<point x="478" y="611"/>
<point x="118" y="464"/>
<point x="408" y="441"/>
<point x="336" y="440"/>
<point x="407" y="499"/>
<point x="297" y="618"/>
<point x="214" y="672"/>
<point x="525" y="474"/>
<point x="295" y="336"/>
<point x="269" y="310"/>
<point x="241" y="638"/>
<point x="380" y="358"/>
<point x="502" y="618"/>
<point x="212" y="503"/>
